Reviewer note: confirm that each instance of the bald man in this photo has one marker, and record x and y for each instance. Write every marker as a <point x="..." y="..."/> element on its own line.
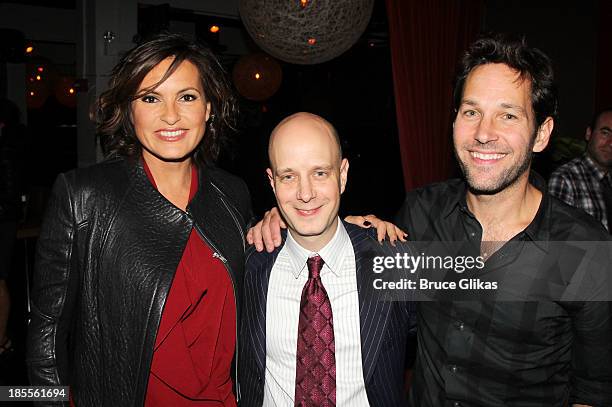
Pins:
<point x="313" y="334"/>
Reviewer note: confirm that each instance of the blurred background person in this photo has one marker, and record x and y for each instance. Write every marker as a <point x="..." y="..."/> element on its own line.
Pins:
<point x="586" y="182"/>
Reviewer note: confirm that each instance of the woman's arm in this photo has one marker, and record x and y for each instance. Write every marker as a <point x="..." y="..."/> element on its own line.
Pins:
<point x="53" y="292"/>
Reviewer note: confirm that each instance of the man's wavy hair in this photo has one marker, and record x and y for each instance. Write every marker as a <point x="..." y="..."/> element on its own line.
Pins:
<point x="112" y="111"/>
<point x="530" y="63"/>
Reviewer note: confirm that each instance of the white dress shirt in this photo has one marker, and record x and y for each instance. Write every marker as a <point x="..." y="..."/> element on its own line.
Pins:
<point x="287" y="279"/>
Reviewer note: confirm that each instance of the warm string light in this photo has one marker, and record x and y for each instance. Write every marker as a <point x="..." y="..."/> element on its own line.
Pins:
<point x="312" y="41"/>
<point x="214" y="29"/>
<point x="29" y="49"/>
<point x="303" y="3"/>
<point x="257" y="75"/>
<point x="65" y="91"/>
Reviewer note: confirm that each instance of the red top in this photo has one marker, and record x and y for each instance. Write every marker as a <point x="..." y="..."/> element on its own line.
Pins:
<point x="196" y="339"/>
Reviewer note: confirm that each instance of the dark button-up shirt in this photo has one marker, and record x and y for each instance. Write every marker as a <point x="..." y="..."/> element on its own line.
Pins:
<point x="508" y="353"/>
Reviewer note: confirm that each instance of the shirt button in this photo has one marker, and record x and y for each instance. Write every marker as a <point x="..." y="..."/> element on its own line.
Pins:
<point x="472" y="234"/>
<point x="456" y="404"/>
<point x="460" y="326"/>
<point x="453" y="368"/>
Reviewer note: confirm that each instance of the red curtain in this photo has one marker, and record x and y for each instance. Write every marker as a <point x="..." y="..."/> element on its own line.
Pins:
<point x="427" y="38"/>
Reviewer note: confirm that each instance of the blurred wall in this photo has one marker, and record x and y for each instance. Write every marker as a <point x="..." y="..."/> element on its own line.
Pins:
<point x="567" y="33"/>
<point x="222" y="8"/>
<point x="40" y="23"/>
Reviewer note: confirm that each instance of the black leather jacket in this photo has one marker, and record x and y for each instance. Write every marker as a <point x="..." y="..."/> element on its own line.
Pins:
<point x="108" y="250"/>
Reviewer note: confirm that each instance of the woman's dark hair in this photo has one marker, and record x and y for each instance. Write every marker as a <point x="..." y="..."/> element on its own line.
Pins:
<point x="112" y="111"/>
<point x="530" y="63"/>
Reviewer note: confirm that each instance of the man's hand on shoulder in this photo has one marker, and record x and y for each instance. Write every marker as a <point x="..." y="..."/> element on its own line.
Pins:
<point x="266" y="233"/>
<point x="383" y="228"/>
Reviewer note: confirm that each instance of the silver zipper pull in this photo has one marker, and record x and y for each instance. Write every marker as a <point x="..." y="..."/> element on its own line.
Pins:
<point x="218" y="256"/>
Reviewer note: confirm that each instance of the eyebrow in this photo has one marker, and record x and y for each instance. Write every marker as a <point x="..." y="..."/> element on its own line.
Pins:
<point x="503" y="104"/>
<point x="469" y="102"/>
<point x="511" y="106"/>
<point x="316" y="168"/>
<point x="190" y="88"/>
<point x="153" y="92"/>
<point x="605" y="128"/>
<point x="282" y="171"/>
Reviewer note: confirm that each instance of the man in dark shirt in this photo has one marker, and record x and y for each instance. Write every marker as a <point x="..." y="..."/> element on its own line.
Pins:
<point x="535" y="350"/>
<point x="545" y="337"/>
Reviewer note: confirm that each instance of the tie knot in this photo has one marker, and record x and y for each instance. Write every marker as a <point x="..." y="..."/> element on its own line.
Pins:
<point x="315" y="264"/>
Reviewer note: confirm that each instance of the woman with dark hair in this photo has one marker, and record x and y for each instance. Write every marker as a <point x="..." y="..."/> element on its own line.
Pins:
<point x="140" y="258"/>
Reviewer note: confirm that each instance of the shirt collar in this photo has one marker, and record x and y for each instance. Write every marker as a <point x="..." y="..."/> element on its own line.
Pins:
<point x="539" y="228"/>
<point x="331" y="253"/>
<point x="456" y="197"/>
<point x="595" y="170"/>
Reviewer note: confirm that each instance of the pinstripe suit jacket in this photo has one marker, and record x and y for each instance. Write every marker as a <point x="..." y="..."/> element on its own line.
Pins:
<point x="386" y="326"/>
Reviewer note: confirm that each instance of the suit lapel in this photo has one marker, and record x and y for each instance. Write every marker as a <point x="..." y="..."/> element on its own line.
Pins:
<point x="259" y="277"/>
<point x="373" y="314"/>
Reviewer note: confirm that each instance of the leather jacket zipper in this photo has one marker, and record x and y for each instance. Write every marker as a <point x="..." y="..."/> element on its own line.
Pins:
<point x="217" y="254"/>
<point x="231" y="212"/>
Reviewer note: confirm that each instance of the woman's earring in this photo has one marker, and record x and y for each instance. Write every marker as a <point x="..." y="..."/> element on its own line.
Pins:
<point x="211" y="124"/>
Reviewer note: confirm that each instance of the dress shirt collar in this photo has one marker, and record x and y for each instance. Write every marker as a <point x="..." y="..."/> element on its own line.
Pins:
<point x="332" y="253"/>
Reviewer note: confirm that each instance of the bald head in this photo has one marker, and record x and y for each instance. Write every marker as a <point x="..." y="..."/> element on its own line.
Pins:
<point x="304" y="124"/>
<point x="307" y="175"/>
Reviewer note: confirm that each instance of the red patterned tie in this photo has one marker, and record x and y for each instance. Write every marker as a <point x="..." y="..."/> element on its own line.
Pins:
<point x="315" y="382"/>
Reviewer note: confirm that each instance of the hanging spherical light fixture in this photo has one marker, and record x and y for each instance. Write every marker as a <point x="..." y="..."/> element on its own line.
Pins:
<point x="305" y="31"/>
<point x="257" y="76"/>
